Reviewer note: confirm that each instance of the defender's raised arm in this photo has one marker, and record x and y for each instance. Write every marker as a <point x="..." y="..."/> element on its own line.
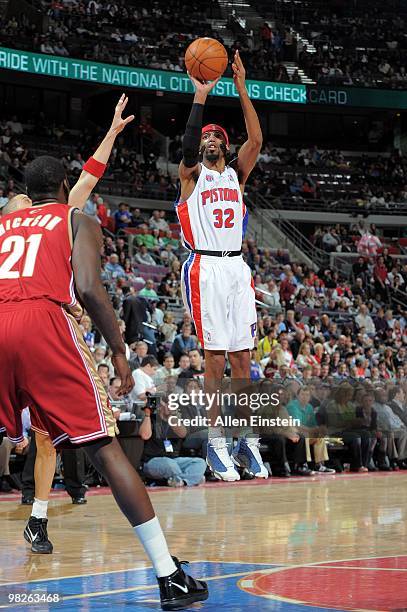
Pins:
<point x="94" y="168"/>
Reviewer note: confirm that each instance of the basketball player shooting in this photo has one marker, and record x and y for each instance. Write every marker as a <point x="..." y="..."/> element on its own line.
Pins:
<point x="216" y="282"/>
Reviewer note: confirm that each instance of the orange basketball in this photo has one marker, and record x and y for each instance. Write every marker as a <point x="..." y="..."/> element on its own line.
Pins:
<point x="206" y="59"/>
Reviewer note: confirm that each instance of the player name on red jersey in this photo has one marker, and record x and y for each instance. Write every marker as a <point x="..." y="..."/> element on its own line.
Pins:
<point x="48" y="222"/>
<point x="219" y="194"/>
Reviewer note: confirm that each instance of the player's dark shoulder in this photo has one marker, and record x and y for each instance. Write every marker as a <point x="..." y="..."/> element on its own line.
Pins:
<point x="80" y="219"/>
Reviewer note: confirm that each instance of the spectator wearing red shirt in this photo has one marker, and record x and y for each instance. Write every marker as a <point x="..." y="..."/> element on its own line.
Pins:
<point x="380" y="278"/>
<point x="287" y="289"/>
<point x="102" y="212"/>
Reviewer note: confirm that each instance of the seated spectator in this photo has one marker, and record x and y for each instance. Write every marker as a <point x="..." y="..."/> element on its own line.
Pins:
<point x="158" y="222"/>
<point x="305" y="358"/>
<point x="287" y="289"/>
<point x="137" y="355"/>
<point x="104" y="374"/>
<point x="256" y="371"/>
<point x="102" y="212"/>
<point x="144" y="257"/>
<point x="113" y="269"/>
<point x="168" y="328"/>
<point x="183" y="342"/>
<point x="136" y="217"/>
<point x="301" y="409"/>
<point x="148" y="291"/>
<point x="339" y="416"/>
<point x="144" y="378"/>
<point x="122" y="217"/>
<point x="169" y="240"/>
<point x="380" y="276"/>
<point x="285" y="353"/>
<point x="330" y="240"/>
<point x="267" y="343"/>
<point x="161" y="456"/>
<point x="86" y="327"/>
<point x="184" y="363"/>
<point x="166" y="370"/>
<point x="99" y="354"/>
<point x="397" y="402"/>
<point x="169" y="285"/>
<point x="393" y="442"/>
<point x="360" y="268"/>
<point x="196" y="368"/>
<point x="285" y="444"/>
<point x="363" y="319"/>
<point x="147" y="239"/>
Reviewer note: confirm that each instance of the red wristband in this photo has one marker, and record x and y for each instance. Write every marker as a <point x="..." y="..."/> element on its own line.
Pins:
<point x="95" y="167"/>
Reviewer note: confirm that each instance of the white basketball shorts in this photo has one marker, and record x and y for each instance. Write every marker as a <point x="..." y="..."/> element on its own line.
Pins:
<point x="218" y="292"/>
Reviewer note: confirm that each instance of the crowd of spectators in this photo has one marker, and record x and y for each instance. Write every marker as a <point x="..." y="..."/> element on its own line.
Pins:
<point x="342" y="372"/>
<point x="360" y="47"/>
<point x="126" y="33"/>
<point x="133" y="164"/>
<point x="363" y="44"/>
<point x="363" y="181"/>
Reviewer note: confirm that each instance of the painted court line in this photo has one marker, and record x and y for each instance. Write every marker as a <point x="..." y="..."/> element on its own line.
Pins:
<point x="270" y="569"/>
<point x="148" y="587"/>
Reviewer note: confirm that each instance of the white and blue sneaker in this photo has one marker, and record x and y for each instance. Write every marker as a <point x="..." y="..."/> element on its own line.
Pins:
<point x="247" y="456"/>
<point x="219" y="460"/>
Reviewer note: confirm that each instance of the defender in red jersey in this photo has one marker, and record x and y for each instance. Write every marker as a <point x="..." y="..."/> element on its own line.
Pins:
<point x="49" y="256"/>
<point x="35" y="532"/>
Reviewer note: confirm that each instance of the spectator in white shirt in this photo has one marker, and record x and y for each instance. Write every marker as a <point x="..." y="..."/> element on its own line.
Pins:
<point x="363" y="319"/>
<point x="166" y="370"/>
<point x="158" y="222"/>
<point x="144" y="378"/>
<point x="144" y="257"/>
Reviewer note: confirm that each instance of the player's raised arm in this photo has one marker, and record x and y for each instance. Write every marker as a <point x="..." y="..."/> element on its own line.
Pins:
<point x="189" y="167"/>
<point x="86" y="267"/>
<point x="251" y="148"/>
<point x="95" y="166"/>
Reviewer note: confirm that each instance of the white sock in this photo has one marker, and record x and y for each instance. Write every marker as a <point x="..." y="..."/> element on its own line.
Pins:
<point x="152" y="538"/>
<point x="40" y="508"/>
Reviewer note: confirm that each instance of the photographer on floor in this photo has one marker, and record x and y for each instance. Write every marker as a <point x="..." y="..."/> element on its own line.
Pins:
<point x="162" y="447"/>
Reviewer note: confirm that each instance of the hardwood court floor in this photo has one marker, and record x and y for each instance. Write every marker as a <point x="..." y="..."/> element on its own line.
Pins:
<point x="332" y="543"/>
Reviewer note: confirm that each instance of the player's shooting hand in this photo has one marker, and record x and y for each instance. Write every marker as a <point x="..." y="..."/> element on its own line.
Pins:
<point x="118" y="123"/>
<point x="202" y="88"/>
<point x="123" y="372"/>
<point x="239" y="72"/>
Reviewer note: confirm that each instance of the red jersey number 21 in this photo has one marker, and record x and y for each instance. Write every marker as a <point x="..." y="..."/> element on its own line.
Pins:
<point x="224" y="218"/>
<point x="17" y="247"/>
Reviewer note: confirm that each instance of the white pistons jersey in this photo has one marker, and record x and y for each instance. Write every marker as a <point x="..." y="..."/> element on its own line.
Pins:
<point x="217" y="291"/>
<point x="214" y="217"/>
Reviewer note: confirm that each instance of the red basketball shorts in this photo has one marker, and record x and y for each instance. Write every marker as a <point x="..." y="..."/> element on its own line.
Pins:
<point x="45" y="363"/>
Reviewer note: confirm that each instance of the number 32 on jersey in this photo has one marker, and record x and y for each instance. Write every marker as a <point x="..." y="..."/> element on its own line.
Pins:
<point x="224" y="218"/>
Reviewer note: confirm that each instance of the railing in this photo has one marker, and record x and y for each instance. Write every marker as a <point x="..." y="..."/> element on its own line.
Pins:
<point x="319" y="257"/>
<point x="337" y="205"/>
